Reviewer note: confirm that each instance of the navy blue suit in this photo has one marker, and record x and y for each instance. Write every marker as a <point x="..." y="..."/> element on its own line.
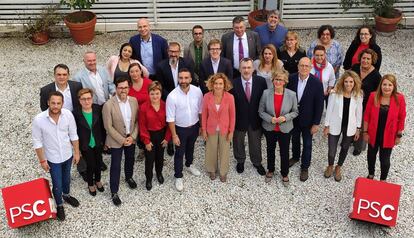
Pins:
<point x="159" y="48"/>
<point x="310" y="113"/>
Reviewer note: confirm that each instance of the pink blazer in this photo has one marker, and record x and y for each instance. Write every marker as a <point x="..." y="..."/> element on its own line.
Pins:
<point x="395" y="120"/>
<point x="113" y="62"/>
<point x="225" y="117"/>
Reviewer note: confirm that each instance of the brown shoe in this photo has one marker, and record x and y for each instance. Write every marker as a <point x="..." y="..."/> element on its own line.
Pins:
<point x="268" y="177"/>
<point x="212" y="175"/>
<point x="285" y="181"/>
<point x="328" y="171"/>
<point x="223" y="178"/>
<point x="304" y="175"/>
<point x="338" y="175"/>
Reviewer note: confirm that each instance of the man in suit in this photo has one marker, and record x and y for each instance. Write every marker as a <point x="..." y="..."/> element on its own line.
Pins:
<point x="196" y="51"/>
<point x="240" y="44"/>
<point x="272" y="32"/>
<point x="148" y="48"/>
<point x="214" y="64"/>
<point x="167" y="74"/>
<point x="68" y="88"/>
<point x="120" y="120"/>
<point x="309" y="91"/>
<point x="247" y="91"/>
<point x="167" y="70"/>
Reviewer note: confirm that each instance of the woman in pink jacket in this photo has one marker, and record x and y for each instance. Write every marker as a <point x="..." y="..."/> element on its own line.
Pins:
<point x="384" y="120"/>
<point x="218" y="121"/>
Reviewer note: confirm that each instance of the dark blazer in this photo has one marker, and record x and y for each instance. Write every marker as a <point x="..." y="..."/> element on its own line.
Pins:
<point x="164" y="75"/>
<point x="84" y="131"/>
<point x="369" y="84"/>
<point x="74" y="89"/>
<point x="159" y="48"/>
<point x="311" y="104"/>
<point x="247" y="113"/>
<point x="206" y="70"/>
<point x="353" y="48"/>
<point x="253" y="41"/>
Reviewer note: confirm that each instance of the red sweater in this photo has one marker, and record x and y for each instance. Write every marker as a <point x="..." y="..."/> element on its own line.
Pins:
<point x="151" y="120"/>
<point x="395" y="119"/>
<point x="141" y="95"/>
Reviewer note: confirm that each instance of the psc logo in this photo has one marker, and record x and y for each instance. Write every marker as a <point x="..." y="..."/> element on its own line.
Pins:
<point x="375" y="201"/>
<point x="29" y="202"/>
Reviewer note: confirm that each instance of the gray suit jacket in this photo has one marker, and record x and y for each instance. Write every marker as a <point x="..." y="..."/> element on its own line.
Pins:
<point x="289" y="110"/>
<point x="189" y="52"/>
<point x="114" y="123"/>
<point x="82" y="76"/>
<point x="253" y="41"/>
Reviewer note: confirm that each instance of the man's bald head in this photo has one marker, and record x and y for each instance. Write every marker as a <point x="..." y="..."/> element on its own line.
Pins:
<point x="144" y="28"/>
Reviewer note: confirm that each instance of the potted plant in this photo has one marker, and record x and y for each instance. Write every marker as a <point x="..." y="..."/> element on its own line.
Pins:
<point x="257" y="17"/>
<point x="37" y="29"/>
<point x="386" y="16"/>
<point x="81" y="23"/>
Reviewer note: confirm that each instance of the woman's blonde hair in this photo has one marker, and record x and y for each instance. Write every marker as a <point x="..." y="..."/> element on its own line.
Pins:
<point x="283" y="73"/>
<point x="212" y="79"/>
<point x="293" y="34"/>
<point x="378" y="94"/>
<point x="340" y="87"/>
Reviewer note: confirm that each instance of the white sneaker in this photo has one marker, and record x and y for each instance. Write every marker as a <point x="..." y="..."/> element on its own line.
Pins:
<point x="193" y="170"/>
<point x="179" y="184"/>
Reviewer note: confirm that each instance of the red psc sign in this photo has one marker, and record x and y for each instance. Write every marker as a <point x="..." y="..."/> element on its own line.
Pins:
<point x="29" y="202"/>
<point x="375" y="201"/>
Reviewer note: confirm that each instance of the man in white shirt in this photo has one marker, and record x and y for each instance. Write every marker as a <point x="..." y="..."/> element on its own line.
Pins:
<point x="119" y="115"/>
<point x="54" y="136"/>
<point x="184" y="106"/>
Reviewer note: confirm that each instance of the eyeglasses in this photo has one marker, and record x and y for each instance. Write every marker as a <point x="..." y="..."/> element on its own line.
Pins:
<point x="304" y="66"/>
<point x="122" y="88"/>
<point x="278" y="80"/>
<point x="197" y="33"/>
<point x="215" y="49"/>
<point x="86" y="99"/>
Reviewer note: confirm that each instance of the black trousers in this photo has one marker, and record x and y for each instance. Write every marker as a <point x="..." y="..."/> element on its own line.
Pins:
<point x="115" y="171"/>
<point x="333" y="144"/>
<point x="384" y="157"/>
<point x="272" y="137"/>
<point x="93" y="159"/>
<point x="155" y="155"/>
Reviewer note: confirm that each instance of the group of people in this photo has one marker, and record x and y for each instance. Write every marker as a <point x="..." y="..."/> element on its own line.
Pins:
<point x="249" y="82"/>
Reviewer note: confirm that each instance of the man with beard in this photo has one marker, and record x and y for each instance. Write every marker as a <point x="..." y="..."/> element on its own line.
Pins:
<point x="196" y="51"/>
<point x="184" y="106"/>
<point x="54" y="136"/>
<point x="272" y="32"/>
<point x="119" y="116"/>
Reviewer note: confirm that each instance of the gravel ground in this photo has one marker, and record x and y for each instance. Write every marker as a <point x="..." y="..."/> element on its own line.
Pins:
<point x="245" y="206"/>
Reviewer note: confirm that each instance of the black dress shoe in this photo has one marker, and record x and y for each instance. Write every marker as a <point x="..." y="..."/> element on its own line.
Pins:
<point x="356" y="152"/>
<point x="103" y="166"/>
<point x="292" y="162"/>
<point x="260" y="170"/>
<point x="83" y="175"/>
<point x="60" y="213"/>
<point x="100" y="189"/>
<point x="71" y="200"/>
<point x="170" y="149"/>
<point x="148" y="184"/>
<point x="131" y="183"/>
<point x="92" y="193"/>
<point x="160" y="178"/>
<point x="240" y="168"/>
<point x="116" y="200"/>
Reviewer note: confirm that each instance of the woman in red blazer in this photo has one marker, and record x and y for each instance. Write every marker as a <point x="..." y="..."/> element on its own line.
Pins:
<point x="384" y="120"/>
<point x="154" y="133"/>
<point x="218" y="121"/>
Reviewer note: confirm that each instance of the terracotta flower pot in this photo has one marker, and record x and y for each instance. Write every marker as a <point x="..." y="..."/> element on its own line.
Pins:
<point x="254" y="17"/>
<point x="40" y="38"/>
<point x="82" y="26"/>
<point x="383" y="24"/>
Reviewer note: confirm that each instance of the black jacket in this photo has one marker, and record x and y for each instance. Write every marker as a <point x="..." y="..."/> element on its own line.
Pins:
<point x="84" y="131"/>
<point x="74" y="89"/>
<point x="206" y="70"/>
<point x="353" y="48"/>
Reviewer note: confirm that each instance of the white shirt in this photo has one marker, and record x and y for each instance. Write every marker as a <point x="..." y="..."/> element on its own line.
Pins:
<point x="215" y="65"/>
<point x="236" y="59"/>
<point x="67" y="97"/>
<point x="98" y="87"/>
<point x="55" y="139"/>
<point x="301" y="87"/>
<point x="126" y="113"/>
<point x="328" y="76"/>
<point x="184" y="108"/>
<point x="174" y="72"/>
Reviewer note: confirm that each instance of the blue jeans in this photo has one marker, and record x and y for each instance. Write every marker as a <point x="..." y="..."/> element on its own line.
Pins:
<point x="188" y="137"/>
<point x="60" y="174"/>
<point x="296" y="132"/>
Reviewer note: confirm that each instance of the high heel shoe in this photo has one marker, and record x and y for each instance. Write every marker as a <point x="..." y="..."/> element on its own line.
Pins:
<point x="93" y="193"/>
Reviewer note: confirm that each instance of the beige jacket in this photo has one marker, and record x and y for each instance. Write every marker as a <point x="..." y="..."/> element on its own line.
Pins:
<point x="114" y="123"/>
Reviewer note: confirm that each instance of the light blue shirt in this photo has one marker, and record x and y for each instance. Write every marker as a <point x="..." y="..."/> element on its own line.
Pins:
<point x="301" y="87"/>
<point x="147" y="55"/>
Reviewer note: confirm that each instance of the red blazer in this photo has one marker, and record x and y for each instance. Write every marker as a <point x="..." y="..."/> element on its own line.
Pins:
<point x="225" y="117"/>
<point x="395" y="120"/>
